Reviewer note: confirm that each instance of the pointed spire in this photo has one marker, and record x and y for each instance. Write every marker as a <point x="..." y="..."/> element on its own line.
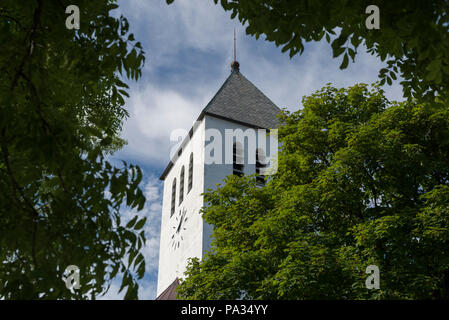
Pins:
<point x="235" y="55"/>
<point x="235" y="65"/>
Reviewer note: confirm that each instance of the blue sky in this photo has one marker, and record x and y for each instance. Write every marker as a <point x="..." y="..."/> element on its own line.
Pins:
<point x="189" y="49"/>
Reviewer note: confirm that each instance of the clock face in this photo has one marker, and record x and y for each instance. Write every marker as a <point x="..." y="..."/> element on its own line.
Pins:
<point x="178" y="229"/>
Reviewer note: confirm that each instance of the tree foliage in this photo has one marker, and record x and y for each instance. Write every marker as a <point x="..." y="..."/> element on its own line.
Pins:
<point x="361" y="181"/>
<point x="61" y="112"/>
<point x="413" y="39"/>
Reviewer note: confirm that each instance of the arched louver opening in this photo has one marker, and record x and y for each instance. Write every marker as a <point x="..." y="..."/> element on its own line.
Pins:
<point x="260" y="165"/>
<point x="173" y="197"/>
<point x="237" y="159"/>
<point x="181" y="185"/>
<point x="190" y="173"/>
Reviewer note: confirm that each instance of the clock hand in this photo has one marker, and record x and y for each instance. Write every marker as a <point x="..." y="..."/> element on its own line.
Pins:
<point x="179" y="226"/>
<point x="180" y="222"/>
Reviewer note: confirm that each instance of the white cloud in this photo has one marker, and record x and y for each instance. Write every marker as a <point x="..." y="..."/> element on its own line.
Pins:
<point x="153" y="194"/>
<point x="154" y="113"/>
<point x="195" y="24"/>
<point x="286" y="80"/>
<point x="113" y="293"/>
<point x="147" y="290"/>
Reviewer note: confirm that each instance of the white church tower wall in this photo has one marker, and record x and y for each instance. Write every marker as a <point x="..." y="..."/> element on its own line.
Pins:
<point x="173" y="261"/>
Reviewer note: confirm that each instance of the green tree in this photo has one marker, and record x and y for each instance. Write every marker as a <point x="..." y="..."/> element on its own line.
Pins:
<point x="61" y="113"/>
<point x="413" y="38"/>
<point x="361" y="181"/>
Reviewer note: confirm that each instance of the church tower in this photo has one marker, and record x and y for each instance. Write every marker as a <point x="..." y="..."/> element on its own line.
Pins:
<point x="238" y="107"/>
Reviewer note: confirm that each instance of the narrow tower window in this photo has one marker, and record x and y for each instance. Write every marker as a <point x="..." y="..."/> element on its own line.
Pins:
<point x="260" y="165"/>
<point x="173" y="197"/>
<point x="237" y="159"/>
<point x="181" y="185"/>
<point x="190" y="173"/>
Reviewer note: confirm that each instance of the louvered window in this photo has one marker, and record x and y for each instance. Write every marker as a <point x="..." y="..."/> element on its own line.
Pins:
<point x="181" y="185"/>
<point x="237" y="159"/>
<point x="173" y="197"/>
<point x="190" y="173"/>
<point x="260" y="165"/>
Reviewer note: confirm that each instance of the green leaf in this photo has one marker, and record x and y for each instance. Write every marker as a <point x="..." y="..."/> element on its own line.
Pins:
<point x="132" y="222"/>
<point x="139" y="225"/>
<point x="345" y="61"/>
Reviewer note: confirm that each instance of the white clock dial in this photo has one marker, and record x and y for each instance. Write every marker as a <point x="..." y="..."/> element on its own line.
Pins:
<point x="178" y="229"/>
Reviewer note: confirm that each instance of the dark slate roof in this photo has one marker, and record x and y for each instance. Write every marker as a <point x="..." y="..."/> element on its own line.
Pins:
<point x="170" y="292"/>
<point x="239" y="100"/>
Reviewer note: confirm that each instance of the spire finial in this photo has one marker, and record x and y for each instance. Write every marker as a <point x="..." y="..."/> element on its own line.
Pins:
<point x="235" y="55"/>
<point x="235" y="65"/>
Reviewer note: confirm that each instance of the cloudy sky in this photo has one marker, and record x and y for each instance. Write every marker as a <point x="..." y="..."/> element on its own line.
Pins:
<point x="189" y="49"/>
